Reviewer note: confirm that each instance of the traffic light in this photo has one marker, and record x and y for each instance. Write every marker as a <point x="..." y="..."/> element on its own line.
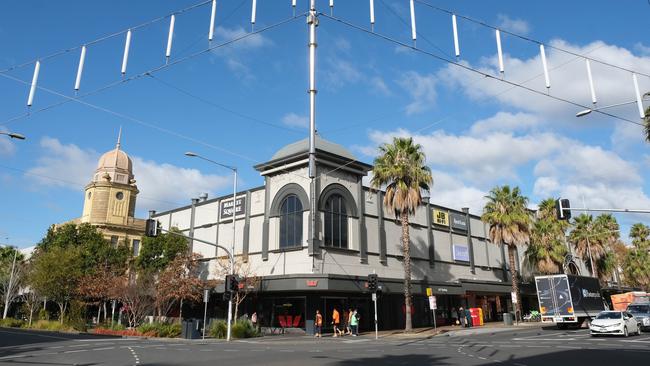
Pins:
<point x="232" y="284"/>
<point x="151" y="228"/>
<point x="563" y="209"/>
<point x="372" y="282"/>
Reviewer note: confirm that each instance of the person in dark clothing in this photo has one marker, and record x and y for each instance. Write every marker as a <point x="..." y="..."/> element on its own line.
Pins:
<point x="468" y="318"/>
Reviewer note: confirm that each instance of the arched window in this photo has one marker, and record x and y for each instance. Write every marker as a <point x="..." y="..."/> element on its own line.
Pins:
<point x="290" y="222"/>
<point x="336" y="222"/>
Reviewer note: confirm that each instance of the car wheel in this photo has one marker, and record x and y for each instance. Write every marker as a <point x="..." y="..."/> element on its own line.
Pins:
<point x="625" y="334"/>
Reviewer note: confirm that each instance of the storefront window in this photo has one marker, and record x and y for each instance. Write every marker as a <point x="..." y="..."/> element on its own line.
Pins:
<point x="291" y="222"/>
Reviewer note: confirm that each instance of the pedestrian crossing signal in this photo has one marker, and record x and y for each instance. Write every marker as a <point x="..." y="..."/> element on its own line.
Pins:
<point x="151" y="228"/>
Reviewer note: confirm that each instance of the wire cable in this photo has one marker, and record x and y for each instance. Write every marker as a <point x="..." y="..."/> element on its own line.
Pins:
<point x="469" y="68"/>
<point x="105" y="37"/>
<point x="480" y="22"/>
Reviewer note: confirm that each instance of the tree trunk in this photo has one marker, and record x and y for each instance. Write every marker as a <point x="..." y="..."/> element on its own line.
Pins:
<point x="99" y="313"/>
<point x="408" y="326"/>
<point x="61" y="311"/>
<point x="514" y="279"/>
<point x="180" y="312"/>
<point x="237" y="300"/>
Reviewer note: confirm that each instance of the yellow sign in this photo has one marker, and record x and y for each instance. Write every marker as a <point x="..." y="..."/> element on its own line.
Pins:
<point x="440" y="218"/>
<point x="429" y="291"/>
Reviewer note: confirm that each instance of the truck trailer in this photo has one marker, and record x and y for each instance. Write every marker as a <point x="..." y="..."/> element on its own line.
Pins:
<point x="568" y="300"/>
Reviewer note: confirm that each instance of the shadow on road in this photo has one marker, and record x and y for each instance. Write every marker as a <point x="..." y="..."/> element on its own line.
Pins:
<point x="413" y="359"/>
<point x="15" y="341"/>
<point x="582" y="357"/>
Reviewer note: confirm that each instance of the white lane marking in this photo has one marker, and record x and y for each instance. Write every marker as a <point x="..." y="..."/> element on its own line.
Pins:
<point x="569" y="347"/>
<point x="103" y="348"/>
<point x="55" y="347"/>
<point x="76" y="351"/>
<point x="14" y="356"/>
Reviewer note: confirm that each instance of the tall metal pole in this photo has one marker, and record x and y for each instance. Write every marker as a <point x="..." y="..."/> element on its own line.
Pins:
<point x="376" y="326"/>
<point x="232" y="249"/>
<point x="312" y="20"/>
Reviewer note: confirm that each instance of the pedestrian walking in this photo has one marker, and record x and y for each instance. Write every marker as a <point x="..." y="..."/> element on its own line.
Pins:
<point x="454" y="316"/>
<point x="336" y="321"/>
<point x="254" y="319"/>
<point x="319" y="324"/>
<point x="354" y="323"/>
<point x="461" y="316"/>
<point x="348" y="321"/>
<point x="468" y="318"/>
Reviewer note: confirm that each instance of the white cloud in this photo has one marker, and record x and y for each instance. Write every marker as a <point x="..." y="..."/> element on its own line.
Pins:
<point x="568" y="78"/>
<point x="642" y="49"/>
<point x="379" y="86"/>
<point x="295" y="120"/>
<point x="449" y="191"/>
<point x="421" y="88"/>
<point x="234" y="53"/>
<point x="505" y="122"/>
<point x="161" y="186"/>
<point x="518" y="26"/>
<point x="339" y="72"/>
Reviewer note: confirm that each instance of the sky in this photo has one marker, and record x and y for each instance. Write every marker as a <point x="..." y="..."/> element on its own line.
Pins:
<point x="241" y="102"/>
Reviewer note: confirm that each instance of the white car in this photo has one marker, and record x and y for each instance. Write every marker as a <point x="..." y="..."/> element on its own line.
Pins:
<point x="614" y="322"/>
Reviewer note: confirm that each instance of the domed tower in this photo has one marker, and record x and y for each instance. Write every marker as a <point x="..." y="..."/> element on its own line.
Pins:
<point x="110" y="196"/>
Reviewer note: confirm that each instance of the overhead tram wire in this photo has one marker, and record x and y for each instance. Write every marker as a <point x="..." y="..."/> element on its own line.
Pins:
<point x="468" y="68"/>
<point x="136" y="76"/>
<point x="103" y="38"/>
<point x="482" y="23"/>
<point x="226" y="109"/>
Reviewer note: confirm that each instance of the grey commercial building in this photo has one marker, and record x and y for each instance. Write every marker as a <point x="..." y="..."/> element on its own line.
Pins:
<point x="303" y="269"/>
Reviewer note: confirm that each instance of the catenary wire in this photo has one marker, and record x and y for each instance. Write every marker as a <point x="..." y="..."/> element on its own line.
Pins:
<point x="103" y="38"/>
<point x="469" y="68"/>
<point x="482" y="23"/>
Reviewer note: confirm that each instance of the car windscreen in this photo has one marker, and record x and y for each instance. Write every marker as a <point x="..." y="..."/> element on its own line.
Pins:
<point x="638" y="308"/>
<point x="609" y="315"/>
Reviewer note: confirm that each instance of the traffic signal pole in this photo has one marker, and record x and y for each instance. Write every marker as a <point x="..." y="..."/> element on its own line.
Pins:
<point x="232" y="265"/>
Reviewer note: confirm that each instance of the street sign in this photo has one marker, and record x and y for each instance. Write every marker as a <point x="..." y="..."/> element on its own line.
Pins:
<point x="374" y="296"/>
<point x="513" y="296"/>
<point x="206" y="296"/>
<point x="429" y="291"/>
<point x="432" y="303"/>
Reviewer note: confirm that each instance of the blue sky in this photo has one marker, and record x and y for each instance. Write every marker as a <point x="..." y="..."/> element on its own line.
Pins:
<point x="239" y="104"/>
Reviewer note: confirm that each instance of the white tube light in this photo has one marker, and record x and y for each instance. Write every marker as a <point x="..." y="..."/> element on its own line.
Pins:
<point x="254" y="12"/>
<point x="455" y="28"/>
<point x="331" y="3"/>
<point x="32" y="89"/>
<point x="639" y="102"/>
<point x="293" y="3"/>
<point x="170" y="36"/>
<point x="127" y="45"/>
<point x="542" y="52"/>
<point x="213" y="14"/>
<point x="413" y="29"/>
<point x="499" y="51"/>
<point x="591" y="82"/>
<point x="80" y="69"/>
<point x="372" y="11"/>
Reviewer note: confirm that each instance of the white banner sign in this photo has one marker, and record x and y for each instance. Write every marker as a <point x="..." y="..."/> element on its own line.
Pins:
<point x="432" y="303"/>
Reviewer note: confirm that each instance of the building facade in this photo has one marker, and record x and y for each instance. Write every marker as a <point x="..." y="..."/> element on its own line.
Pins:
<point x="320" y="260"/>
<point x="110" y="198"/>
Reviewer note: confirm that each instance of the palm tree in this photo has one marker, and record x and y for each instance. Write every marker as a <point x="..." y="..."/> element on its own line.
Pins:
<point x="639" y="234"/>
<point x="584" y="238"/>
<point x="401" y="168"/>
<point x="509" y="221"/>
<point x="546" y="251"/>
<point x="608" y="235"/>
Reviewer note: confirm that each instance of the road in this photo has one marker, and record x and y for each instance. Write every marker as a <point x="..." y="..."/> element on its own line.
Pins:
<point x="518" y="347"/>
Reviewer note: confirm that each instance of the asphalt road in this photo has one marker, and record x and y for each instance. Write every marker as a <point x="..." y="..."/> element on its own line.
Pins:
<point x="519" y="347"/>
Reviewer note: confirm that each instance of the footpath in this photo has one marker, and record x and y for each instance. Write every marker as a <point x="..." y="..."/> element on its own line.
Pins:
<point x="453" y="330"/>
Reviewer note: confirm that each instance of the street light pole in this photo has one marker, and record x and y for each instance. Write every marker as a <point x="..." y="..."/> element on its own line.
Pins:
<point x="234" y="215"/>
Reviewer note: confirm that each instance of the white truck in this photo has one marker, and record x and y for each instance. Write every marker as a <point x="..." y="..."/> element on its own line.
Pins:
<point x="568" y="300"/>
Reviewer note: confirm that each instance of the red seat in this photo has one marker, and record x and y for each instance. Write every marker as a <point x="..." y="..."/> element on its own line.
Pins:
<point x="282" y="320"/>
<point x="296" y="321"/>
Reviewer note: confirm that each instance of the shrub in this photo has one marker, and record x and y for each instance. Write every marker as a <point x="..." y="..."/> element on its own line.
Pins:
<point x="122" y="332"/>
<point x="160" y="330"/>
<point x="218" y="329"/>
<point x="243" y="329"/>
<point x="52" y="325"/>
<point x="11" y="323"/>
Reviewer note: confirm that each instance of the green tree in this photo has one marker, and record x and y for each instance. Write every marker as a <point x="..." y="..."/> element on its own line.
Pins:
<point x="646" y="120"/>
<point x="547" y="250"/>
<point x="636" y="265"/>
<point x="608" y="235"/>
<point x="639" y="234"/>
<point x="401" y="167"/>
<point x="158" y="252"/>
<point x="585" y="239"/>
<point x="510" y="223"/>
<point x="55" y="274"/>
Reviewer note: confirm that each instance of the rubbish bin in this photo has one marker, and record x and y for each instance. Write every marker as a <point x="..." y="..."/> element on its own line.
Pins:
<point x="507" y="318"/>
<point x="309" y="326"/>
<point x="191" y="329"/>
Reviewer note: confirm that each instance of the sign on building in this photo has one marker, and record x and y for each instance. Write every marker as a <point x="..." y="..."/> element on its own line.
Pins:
<point x="461" y="253"/>
<point x="440" y="218"/>
<point x="458" y="221"/>
<point x="226" y="207"/>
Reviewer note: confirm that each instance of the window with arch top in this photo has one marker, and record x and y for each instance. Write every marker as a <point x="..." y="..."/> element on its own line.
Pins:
<point x="291" y="222"/>
<point x="336" y="222"/>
